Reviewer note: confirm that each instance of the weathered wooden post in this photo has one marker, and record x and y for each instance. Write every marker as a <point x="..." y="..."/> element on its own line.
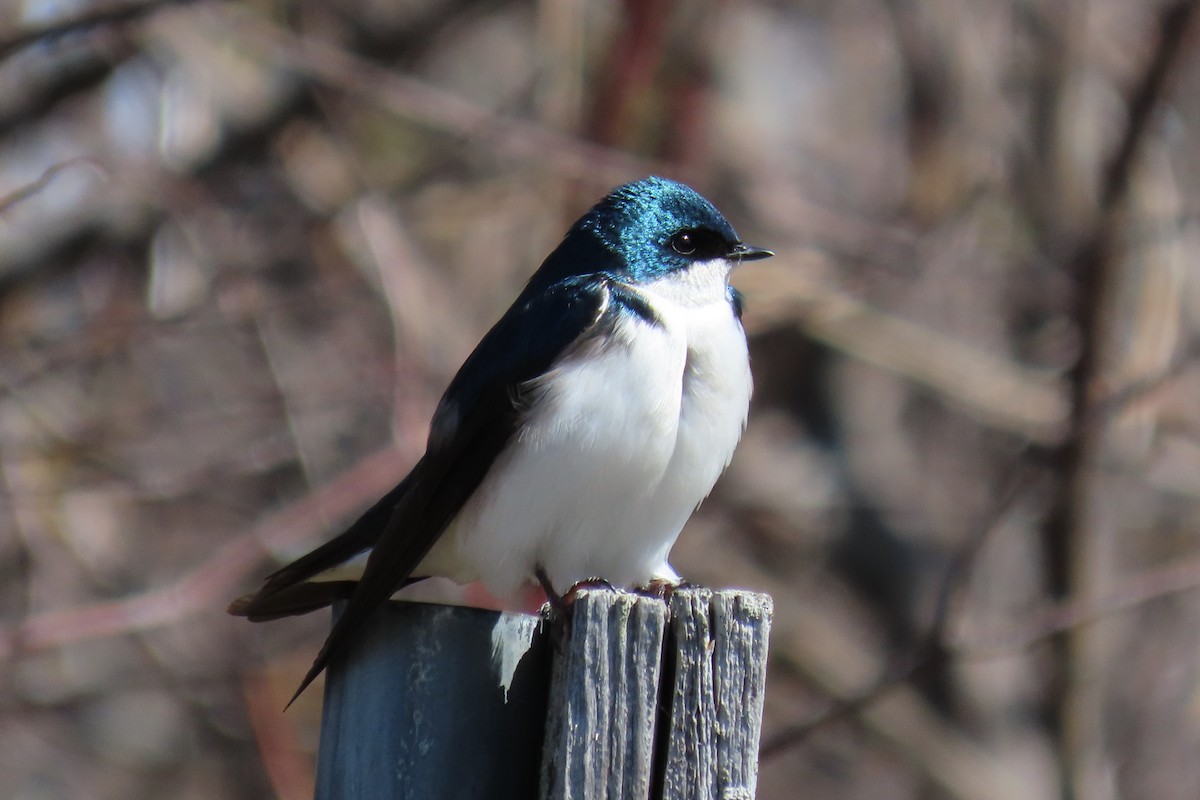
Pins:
<point x="435" y="702"/>
<point x="719" y="649"/>
<point x="604" y="689"/>
<point x="622" y="698"/>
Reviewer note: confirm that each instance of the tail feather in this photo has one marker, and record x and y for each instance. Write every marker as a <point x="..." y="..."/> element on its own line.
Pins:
<point x="290" y="590"/>
<point x="264" y="605"/>
<point x="360" y="536"/>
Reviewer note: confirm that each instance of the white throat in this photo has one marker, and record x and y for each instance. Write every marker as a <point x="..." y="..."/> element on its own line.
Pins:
<point x="701" y="284"/>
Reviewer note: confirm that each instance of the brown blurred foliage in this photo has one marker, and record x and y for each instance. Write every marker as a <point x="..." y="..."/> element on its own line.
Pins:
<point x="244" y="245"/>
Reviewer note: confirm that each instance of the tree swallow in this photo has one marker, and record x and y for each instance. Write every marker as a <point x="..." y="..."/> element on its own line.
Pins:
<point x="577" y="438"/>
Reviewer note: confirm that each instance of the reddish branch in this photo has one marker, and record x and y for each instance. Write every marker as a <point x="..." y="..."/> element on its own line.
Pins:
<point x="209" y="587"/>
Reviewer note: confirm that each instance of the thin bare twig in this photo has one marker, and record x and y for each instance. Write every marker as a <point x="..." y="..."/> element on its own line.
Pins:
<point x="1002" y="394"/>
<point x="1091" y="265"/>
<point x="1072" y="550"/>
<point x="428" y="105"/>
<point x="931" y="649"/>
<point x="30" y="189"/>
<point x="104" y="14"/>
<point x="211" y="585"/>
<point x="1103" y="409"/>
<point x="1131" y="592"/>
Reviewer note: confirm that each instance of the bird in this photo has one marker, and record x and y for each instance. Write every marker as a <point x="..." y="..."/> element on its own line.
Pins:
<point x="576" y="439"/>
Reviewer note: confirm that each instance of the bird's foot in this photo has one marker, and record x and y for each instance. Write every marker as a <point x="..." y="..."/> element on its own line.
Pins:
<point x="560" y="602"/>
<point x="587" y="583"/>
<point x="662" y="588"/>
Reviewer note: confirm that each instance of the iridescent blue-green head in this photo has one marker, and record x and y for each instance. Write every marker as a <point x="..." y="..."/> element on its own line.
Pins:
<point x="644" y="231"/>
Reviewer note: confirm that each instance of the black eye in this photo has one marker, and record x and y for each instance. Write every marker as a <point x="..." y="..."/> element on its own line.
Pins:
<point x="699" y="244"/>
<point x="683" y="243"/>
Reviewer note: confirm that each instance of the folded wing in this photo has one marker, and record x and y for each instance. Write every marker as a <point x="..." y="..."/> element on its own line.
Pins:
<point x="475" y="420"/>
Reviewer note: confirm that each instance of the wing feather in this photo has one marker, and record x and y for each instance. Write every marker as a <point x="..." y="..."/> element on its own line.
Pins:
<point x="475" y="420"/>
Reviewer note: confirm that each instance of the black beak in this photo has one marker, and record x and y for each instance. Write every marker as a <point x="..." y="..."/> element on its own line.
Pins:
<point x="745" y="252"/>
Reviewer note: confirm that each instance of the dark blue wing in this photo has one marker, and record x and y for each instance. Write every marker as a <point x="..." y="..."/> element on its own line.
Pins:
<point x="737" y="301"/>
<point x="475" y="420"/>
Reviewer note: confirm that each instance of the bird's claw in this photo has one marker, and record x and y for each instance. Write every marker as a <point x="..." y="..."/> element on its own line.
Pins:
<point x="587" y="583"/>
<point x="560" y="602"/>
<point x="659" y="588"/>
<point x="662" y="589"/>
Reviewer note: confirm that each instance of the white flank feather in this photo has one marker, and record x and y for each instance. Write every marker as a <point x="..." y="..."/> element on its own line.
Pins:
<point x="623" y="442"/>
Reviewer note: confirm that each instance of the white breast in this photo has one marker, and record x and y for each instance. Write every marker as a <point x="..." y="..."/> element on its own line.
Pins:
<point x="621" y="445"/>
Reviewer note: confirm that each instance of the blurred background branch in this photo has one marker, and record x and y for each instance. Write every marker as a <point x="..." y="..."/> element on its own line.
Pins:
<point x="244" y="246"/>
